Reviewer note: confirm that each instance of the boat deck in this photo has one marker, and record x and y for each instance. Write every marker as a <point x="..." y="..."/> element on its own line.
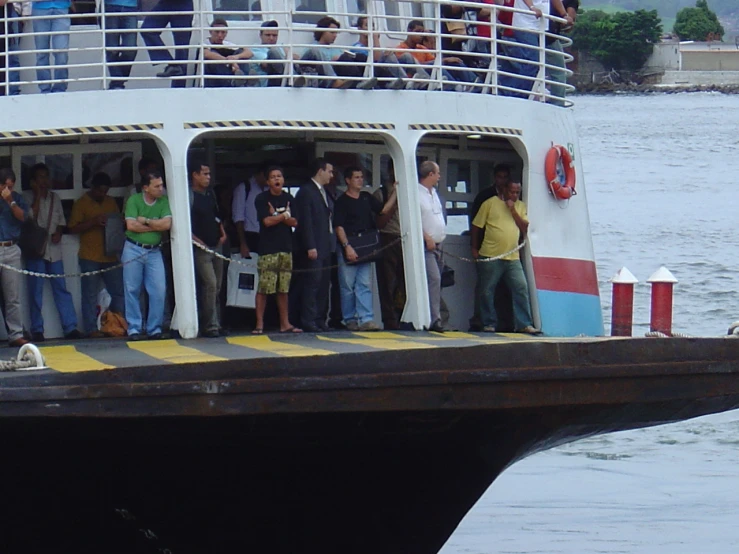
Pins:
<point x="108" y="354"/>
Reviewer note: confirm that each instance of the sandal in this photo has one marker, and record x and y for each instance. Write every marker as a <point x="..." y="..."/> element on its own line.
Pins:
<point x="292" y="330"/>
<point x="258" y="331"/>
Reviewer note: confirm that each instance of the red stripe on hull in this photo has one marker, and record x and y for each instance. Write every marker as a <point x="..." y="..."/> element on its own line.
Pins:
<point x="565" y="275"/>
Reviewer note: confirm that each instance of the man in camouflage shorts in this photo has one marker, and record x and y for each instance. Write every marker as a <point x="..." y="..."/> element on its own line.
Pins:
<point x="275" y="249"/>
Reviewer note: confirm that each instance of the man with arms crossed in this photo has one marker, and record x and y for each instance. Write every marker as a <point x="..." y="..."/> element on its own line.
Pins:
<point x="434" y="233"/>
<point x="147" y="217"/>
<point x="275" y="263"/>
<point x="503" y="222"/>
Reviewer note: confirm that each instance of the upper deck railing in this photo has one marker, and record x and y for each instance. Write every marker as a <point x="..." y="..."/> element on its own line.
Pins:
<point x="471" y="47"/>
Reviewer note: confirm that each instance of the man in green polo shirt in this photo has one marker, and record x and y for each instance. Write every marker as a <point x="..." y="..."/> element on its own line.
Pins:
<point x="147" y="217"/>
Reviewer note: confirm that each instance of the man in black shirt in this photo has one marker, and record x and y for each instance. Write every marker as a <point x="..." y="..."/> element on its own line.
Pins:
<point x="207" y="230"/>
<point x="275" y="263"/>
<point x="354" y="214"/>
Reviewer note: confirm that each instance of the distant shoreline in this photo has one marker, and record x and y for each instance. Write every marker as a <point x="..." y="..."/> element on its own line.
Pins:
<point x="608" y="89"/>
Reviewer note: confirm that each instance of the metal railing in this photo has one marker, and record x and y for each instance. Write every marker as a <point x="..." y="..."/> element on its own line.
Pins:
<point x="45" y="51"/>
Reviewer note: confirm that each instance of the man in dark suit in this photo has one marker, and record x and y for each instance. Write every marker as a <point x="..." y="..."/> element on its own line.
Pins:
<point x="314" y="236"/>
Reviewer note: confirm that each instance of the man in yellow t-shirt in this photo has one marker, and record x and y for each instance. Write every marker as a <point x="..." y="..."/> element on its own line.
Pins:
<point x="89" y="215"/>
<point x="503" y="222"/>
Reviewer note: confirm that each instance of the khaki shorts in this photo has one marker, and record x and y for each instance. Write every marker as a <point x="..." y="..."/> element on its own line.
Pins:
<point x="275" y="271"/>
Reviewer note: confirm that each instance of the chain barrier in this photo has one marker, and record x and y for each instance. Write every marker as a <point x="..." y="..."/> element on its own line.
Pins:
<point x="75" y="275"/>
<point x="484" y="260"/>
<point x="307" y="270"/>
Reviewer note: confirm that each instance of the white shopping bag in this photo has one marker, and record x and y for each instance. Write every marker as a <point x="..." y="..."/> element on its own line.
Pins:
<point x="242" y="282"/>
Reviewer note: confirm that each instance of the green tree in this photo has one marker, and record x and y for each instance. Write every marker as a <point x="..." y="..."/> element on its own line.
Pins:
<point x="698" y="23"/>
<point x="622" y="40"/>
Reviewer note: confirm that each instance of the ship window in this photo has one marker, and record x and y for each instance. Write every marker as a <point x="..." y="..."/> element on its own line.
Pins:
<point x="392" y="8"/>
<point x="310" y="6"/>
<point x="232" y="6"/>
<point x="356" y="6"/>
<point x="118" y="166"/>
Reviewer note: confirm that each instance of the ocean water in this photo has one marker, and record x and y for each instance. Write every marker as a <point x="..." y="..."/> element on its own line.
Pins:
<point x="662" y="176"/>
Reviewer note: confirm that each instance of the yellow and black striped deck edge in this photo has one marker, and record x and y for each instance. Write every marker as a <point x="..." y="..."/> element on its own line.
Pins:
<point x="108" y="354"/>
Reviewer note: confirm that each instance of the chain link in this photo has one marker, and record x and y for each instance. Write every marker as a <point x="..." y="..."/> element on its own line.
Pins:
<point x="75" y="275"/>
<point x="484" y="260"/>
<point x="309" y="270"/>
<point x="240" y="261"/>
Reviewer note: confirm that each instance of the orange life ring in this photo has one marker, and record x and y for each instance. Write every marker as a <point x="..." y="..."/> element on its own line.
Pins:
<point x="555" y="156"/>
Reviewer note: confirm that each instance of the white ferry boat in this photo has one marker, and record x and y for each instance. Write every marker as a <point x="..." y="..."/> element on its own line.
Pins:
<point x="336" y="442"/>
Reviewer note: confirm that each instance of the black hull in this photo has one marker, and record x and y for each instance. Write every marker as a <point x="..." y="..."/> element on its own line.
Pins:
<point x="329" y="457"/>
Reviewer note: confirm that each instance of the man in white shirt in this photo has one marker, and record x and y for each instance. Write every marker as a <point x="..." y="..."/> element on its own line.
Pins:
<point x="527" y="28"/>
<point x="244" y="212"/>
<point x="434" y="233"/>
<point x="218" y="49"/>
<point x="46" y="210"/>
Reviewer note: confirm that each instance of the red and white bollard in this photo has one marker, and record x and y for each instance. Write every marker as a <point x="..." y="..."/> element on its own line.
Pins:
<point x="622" y="309"/>
<point x="662" y="284"/>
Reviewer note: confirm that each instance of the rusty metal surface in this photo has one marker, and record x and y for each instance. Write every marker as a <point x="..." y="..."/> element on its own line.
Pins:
<point x="510" y="375"/>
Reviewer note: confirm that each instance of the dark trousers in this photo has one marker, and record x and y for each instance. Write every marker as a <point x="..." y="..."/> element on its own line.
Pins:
<point x="391" y="281"/>
<point x="335" y="316"/>
<point x="309" y="291"/>
<point x="175" y="21"/>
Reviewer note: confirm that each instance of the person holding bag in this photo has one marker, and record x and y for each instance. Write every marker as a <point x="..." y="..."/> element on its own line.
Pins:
<point x="46" y="210"/>
<point x="356" y="231"/>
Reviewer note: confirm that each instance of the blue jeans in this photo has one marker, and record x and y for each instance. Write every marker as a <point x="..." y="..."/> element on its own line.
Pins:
<point x="175" y="21"/>
<point x="147" y="267"/>
<point x="113" y="40"/>
<point x="511" y="272"/>
<point x="91" y="286"/>
<point x="60" y="44"/>
<point x="519" y="68"/>
<point x="14" y="28"/>
<point x="62" y="297"/>
<point x="356" y="292"/>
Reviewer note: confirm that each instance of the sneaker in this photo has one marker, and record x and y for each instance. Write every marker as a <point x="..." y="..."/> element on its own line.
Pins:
<point x="369" y="84"/>
<point x="171" y="71"/>
<point x="397" y="84"/>
<point x="369" y="326"/>
<point x="352" y="326"/>
<point x="17" y="342"/>
<point x="488" y="329"/>
<point x="437" y="327"/>
<point x="299" y="81"/>
<point x="37" y="337"/>
<point x="74" y="334"/>
<point x="529" y="330"/>
<point x="136" y="337"/>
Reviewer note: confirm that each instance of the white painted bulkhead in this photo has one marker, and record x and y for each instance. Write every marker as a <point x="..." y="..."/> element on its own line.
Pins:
<point x="559" y="229"/>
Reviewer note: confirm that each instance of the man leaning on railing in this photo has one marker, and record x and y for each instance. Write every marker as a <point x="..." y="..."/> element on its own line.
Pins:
<point x="49" y="18"/>
<point x="526" y="30"/>
<point x="11" y="28"/>
<point x="120" y="32"/>
<point x="178" y="16"/>
<point x="566" y="9"/>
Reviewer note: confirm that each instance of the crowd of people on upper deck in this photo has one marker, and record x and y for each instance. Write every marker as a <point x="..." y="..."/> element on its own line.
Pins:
<point x="465" y="49"/>
<point x="315" y="251"/>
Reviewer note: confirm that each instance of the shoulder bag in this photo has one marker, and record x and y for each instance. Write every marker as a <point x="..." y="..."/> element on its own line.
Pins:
<point x="32" y="241"/>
